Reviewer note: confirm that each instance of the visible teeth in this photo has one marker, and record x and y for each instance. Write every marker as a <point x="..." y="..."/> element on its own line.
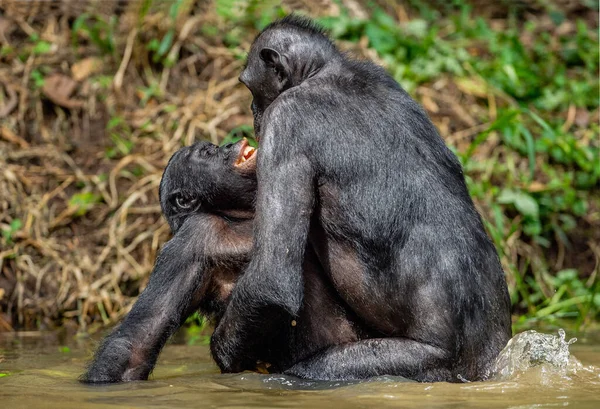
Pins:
<point x="246" y="154"/>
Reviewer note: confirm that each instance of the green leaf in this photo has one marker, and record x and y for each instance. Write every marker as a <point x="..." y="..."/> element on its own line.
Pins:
<point x="16" y="225"/>
<point x="42" y="47"/>
<point x="417" y="28"/>
<point x="527" y="205"/>
<point x="8" y="233"/>
<point x="523" y="202"/>
<point x="84" y="201"/>
<point x="174" y="9"/>
<point x="38" y="78"/>
<point x="166" y="43"/>
<point x="114" y="122"/>
<point x="153" y="45"/>
<point x="530" y="150"/>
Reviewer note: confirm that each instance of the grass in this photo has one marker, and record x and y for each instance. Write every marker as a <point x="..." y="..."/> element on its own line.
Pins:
<point x="516" y="97"/>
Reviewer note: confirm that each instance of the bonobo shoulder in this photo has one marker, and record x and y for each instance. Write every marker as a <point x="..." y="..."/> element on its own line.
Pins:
<point x="295" y="105"/>
<point x="286" y="111"/>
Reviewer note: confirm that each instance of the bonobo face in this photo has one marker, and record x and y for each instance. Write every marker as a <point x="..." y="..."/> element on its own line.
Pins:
<point x="264" y="81"/>
<point x="282" y="56"/>
<point x="206" y="178"/>
<point x="267" y="73"/>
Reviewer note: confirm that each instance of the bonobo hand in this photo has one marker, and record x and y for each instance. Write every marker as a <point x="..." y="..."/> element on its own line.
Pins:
<point x="232" y="349"/>
<point x="225" y="348"/>
<point x="231" y="352"/>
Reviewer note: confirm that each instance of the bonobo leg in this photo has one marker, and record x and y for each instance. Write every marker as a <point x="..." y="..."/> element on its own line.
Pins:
<point x="131" y="351"/>
<point x="376" y="357"/>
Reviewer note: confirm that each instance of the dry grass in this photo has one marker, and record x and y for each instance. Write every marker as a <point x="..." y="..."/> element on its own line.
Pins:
<point x="85" y="135"/>
<point x="91" y="225"/>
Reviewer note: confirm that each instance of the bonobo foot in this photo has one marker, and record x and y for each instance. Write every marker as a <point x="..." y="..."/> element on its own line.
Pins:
<point x="377" y="357"/>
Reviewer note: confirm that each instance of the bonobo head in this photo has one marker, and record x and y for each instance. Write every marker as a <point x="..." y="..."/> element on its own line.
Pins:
<point x="206" y="178"/>
<point x="282" y="56"/>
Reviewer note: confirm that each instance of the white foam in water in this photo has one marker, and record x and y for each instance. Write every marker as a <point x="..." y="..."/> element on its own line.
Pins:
<point x="531" y="349"/>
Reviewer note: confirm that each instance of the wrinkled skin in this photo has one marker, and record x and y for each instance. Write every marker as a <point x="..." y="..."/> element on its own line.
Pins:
<point x="351" y="167"/>
<point x="208" y="203"/>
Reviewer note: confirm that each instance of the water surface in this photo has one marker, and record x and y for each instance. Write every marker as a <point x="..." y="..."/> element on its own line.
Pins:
<point x="41" y="369"/>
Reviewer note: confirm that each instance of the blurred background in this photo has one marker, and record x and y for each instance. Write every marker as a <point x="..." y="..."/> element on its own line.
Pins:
<point x="95" y="96"/>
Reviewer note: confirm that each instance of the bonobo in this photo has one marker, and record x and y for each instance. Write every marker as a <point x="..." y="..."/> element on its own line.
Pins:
<point x="207" y="196"/>
<point x="352" y="166"/>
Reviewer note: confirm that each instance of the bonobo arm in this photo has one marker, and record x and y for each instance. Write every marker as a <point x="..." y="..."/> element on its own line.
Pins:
<point x="375" y="357"/>
<point x="131" y="350"/>
<point x="271" y="289"/>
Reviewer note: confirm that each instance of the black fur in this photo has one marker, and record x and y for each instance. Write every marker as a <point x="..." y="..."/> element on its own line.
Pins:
<point x="198" y="268"/>
<point x="208" y="204"/>
<point x="350" y="164"/>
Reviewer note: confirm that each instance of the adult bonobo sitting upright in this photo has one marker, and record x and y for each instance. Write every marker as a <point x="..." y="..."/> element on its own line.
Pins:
<point x="349" y="163"/>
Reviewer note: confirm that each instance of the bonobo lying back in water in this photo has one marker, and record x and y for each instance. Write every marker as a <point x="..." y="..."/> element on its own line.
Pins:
<point x="351" y="166"/>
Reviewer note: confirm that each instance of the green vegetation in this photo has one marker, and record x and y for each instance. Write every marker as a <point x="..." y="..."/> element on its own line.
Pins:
<point x="96" y="30"/>
<point x="9" y="231"/>
<point x="198" y="331"/>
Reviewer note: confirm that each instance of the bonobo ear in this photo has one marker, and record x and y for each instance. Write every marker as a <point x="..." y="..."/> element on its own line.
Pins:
<point x="271" y="57"/>
<point x="276" y="61"/>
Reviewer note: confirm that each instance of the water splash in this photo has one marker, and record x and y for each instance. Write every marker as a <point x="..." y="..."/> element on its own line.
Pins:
<point x="547" y="353"/>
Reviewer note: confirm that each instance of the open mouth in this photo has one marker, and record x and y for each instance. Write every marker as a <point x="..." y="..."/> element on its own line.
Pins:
<point x="246" y="156"/>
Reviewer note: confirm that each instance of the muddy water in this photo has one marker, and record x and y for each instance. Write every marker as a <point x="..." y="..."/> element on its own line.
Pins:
<point x="40" y="371"/>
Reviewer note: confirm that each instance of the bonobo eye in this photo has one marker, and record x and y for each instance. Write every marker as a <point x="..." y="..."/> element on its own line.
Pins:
<point x="184" y="203"/>
<point x="208" y="150"/>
